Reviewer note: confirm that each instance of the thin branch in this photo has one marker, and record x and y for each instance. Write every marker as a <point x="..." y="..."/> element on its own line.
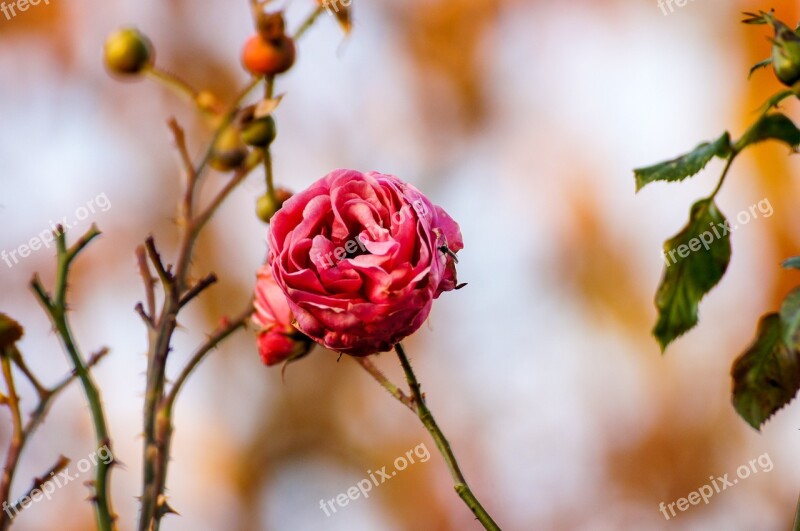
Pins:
<point x="223" y="194"/>
<point x="57" y="311"/>
<point x="16" y="357"/>
<point x="17" y="438"/>
<point x="198" y="288"/>
<point x="38" y="414"/>
<point x="216" y="338"/>
<point x="38" y="483"/>
<point x="155" y="258"/>
<point x="188" y="168"/>
<point x="174" y="82"/>
<point x="308" y="22"/>
<point x="395" y="391"/>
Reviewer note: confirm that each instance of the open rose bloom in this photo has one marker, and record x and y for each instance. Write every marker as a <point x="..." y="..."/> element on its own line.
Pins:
<point x="360" y="258"/>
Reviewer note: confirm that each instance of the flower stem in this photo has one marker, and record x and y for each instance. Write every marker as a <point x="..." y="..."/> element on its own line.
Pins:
<point x="428" y="421"/>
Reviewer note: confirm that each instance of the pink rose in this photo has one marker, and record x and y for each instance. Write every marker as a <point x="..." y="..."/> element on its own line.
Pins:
<point x="278" y="340"/>
<point x="360" y="258"/>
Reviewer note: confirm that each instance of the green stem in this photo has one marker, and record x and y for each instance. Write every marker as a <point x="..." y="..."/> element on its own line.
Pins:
<point x="174" y="82"/>
<point x="308" y="22"/>
<point x="428" y="421"/>
<point x="725" y="171"/>
<point x="269" y="90"/>
<point x="57" y="310"/>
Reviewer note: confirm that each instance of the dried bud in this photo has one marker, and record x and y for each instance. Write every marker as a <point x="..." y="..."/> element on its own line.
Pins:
<point x="271" y="26"/>
<point x="10" y="331"/>
<point x="341" y="10"/>
<point x="127" y="51"/>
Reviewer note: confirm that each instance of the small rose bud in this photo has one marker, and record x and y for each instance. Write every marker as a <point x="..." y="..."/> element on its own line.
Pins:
<point x="229" y="151"/>
<point x="786" y="54"/>
<point x="268" y="57"/>
<point x="128" y="51"/>
<point x="278" y="340"/>
<point x="266" y="207"/>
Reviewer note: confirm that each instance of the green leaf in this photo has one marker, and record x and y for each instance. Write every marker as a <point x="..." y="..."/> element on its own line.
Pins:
<point x="792" y="263"/>
<point x="10" y="331"/>
<point x="696" y="259"/>
<point x="686" y="165"/>
<point x="774" y="126"/>
<point x="762" y="64"/>
<point x="767" y="376"/>
<point x="790" y="318"/>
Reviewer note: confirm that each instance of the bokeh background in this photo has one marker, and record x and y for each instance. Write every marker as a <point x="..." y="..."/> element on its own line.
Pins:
<point x="524" y="120"/>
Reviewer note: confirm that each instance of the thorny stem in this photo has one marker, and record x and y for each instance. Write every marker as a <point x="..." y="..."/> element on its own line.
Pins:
<point x="17" y="439"/>
<point x="177" y="292"/>
<point x="379" y="377"/>
<point x="46" y="396"/>
<point x="428" y="421"/>
<point x="56" y="308"/>
<point x="416" y="403"/>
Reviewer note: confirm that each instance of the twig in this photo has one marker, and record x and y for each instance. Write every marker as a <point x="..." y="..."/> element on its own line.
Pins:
<point x="38" y="483"/>
<point x="17" y="437"/>
<point x="213" y="341"/>
<point x="198" y="288"/>
<point x="16" y="357"/>
<point x="148" y="280"/>
<point x="308" y="22"/>
<point x="155" y="258"/>
<point x="385" y="382"/>
<point x="188" y="168"/>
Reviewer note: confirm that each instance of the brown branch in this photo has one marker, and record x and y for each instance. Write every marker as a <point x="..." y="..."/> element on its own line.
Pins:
<point x="198" y="288"/>
<point x="149" y="283"/>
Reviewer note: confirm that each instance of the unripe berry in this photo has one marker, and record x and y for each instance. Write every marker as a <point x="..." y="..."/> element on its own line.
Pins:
<point x="266" y="207"/>
<point x="258" y="132"/>
<point x="127" y="51"/>
<point x="228" y="151"/>
<point x="268" y="57"/>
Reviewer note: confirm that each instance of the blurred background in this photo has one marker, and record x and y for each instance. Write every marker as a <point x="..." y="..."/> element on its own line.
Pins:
<point x="524" y="119"/>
